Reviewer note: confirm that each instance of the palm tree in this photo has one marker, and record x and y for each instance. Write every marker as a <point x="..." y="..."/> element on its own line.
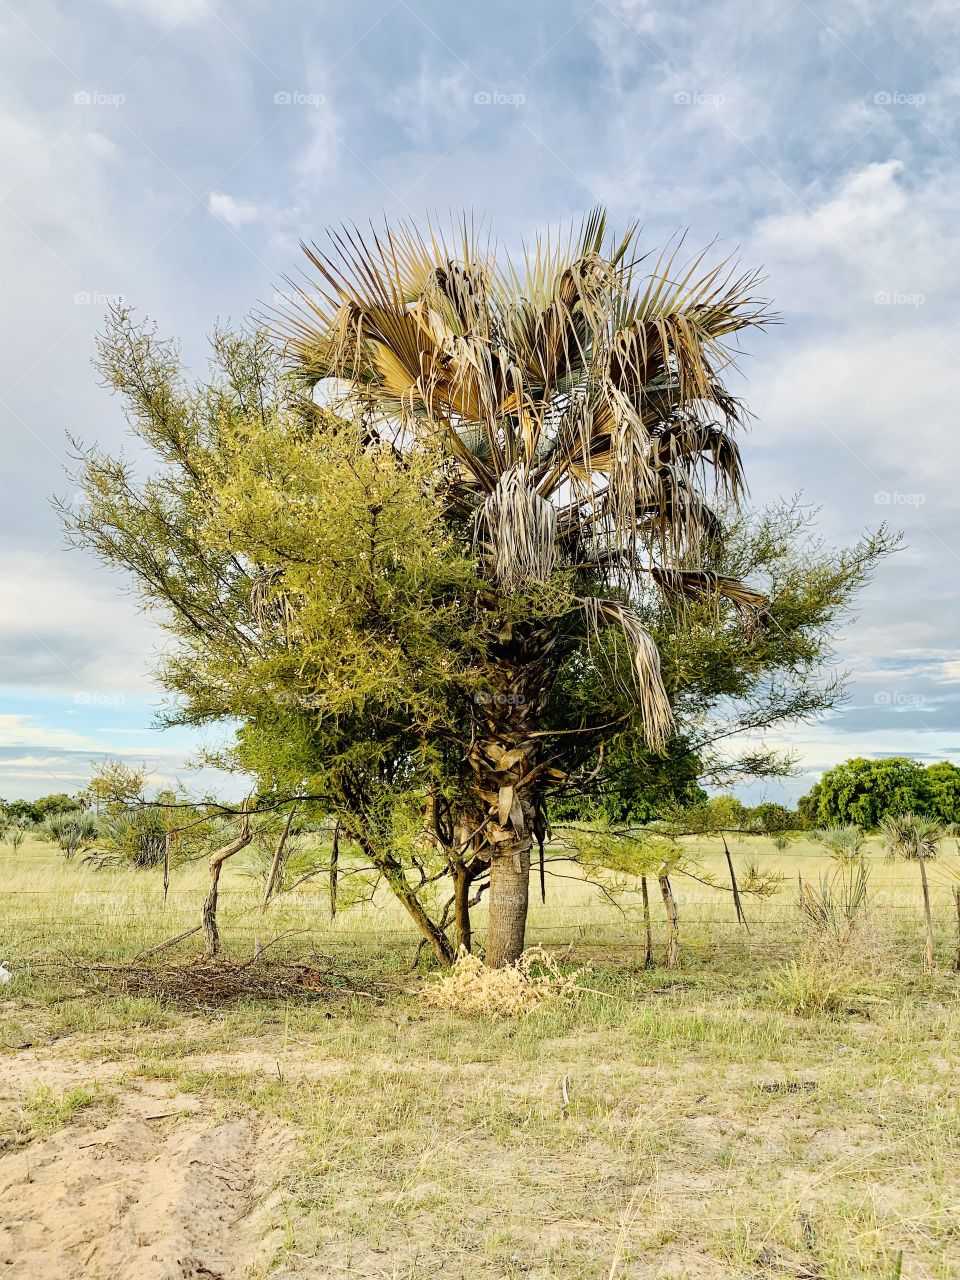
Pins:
<point x="845" y="844"/>
<point x="913" y="836"/>
<point x="574" y="405"/>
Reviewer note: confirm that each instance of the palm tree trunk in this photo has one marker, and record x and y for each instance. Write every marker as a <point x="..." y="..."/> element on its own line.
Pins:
<point x="509" y="896"/>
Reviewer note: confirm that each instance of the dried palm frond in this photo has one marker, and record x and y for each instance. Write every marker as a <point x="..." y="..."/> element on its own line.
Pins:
<point x="656" y="712"/>
<point x="575" y="397"/>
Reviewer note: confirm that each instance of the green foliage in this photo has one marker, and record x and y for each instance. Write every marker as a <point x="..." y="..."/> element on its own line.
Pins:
<point x="911" y="835"/>
<point x="33" y="812"/>
<point x="864" y="791"/>
<point x="72" y="830"/>
<point x="770" y="819"/>
<point x="134" y="824"/>
<point x="842" y="843"/>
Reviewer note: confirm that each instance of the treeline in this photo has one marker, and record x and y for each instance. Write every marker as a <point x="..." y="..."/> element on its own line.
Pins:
<point x="32" y="813"/>
<point x="863" y="793"/>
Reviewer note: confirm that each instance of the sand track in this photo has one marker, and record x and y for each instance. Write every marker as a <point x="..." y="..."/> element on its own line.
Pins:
<point x="157" y="1191"/>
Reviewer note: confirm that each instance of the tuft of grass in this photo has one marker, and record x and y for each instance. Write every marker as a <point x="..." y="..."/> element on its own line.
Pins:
<point x="810" y="989"/>
<point x="47" y="1111"/>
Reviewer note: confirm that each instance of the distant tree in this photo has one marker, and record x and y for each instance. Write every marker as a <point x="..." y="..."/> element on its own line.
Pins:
<point x="943" y="791"/>
<point x="864" y="791"/>
<point x="49" y="806"/>
<point x="917" y="838"/>
<point x="19" y="811"/>
<point x="860" y="792"/>
<point x="769" y="818"/>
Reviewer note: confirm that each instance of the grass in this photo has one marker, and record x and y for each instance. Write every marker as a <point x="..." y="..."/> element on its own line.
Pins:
<point x="763" y="1111"/>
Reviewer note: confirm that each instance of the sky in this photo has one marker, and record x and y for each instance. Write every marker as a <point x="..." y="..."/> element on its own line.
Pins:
<point x="175" y="152"/>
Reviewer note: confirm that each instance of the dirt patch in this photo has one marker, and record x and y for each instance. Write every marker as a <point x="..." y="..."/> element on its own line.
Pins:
<point x="159" y="1190"/>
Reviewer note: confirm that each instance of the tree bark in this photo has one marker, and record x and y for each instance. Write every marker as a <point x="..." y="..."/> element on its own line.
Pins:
<point x="461" y="891"/>
<point x="672" y="960"/>
<point x="509" y="896"/>
<point x="208" y="917"/>
<point x="648" y="928"/>
<point x="928" y="955"/>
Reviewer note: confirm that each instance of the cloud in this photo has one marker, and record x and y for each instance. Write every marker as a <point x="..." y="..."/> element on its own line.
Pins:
<point x="435" y="105"/>
<point x="167" y="12"/>
<point x="235" y="213"/>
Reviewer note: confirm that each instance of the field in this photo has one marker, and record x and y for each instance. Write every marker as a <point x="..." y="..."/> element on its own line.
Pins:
<point x="752" y="1114"/>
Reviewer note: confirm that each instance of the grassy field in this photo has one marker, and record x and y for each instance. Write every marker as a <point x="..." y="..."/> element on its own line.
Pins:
<point x="684" y="1123"/>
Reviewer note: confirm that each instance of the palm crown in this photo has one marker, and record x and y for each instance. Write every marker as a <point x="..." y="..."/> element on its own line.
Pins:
<point x="574" y="401"/>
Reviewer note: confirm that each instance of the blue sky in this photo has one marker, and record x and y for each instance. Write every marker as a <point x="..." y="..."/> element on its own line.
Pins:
<point x="174" y="152"/>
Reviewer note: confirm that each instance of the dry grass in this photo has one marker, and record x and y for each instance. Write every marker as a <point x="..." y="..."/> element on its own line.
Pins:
<point x="662" y="1124"/>
<point x="533" y="981"/>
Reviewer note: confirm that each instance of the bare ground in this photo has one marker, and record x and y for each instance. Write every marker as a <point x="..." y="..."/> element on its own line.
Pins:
<point x="147" y="1186"/>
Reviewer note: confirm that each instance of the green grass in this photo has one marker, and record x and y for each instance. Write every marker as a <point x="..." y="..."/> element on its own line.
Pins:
<point x="727" y="1119"/>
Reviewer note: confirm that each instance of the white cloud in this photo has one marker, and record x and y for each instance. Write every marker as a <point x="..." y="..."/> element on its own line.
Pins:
<point x="235" y="213"/>
<point x="434" y="105"/>
<point x="20" y="731"/>
<point x="167" y="12"/>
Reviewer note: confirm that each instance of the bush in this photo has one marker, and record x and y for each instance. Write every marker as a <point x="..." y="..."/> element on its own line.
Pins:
<point x="811" y="988"/>
<point x="71" y="831"/>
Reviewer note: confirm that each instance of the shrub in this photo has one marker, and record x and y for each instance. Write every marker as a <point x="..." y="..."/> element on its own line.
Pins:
<point x="811" y="988"/>
<point x="833" y="912"/>
<point x="843" y="843"/>
<point x="71" y="831"/>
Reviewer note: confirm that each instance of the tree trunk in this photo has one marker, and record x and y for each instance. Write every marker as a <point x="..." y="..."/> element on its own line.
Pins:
<point x="334" y="869"/>
<point x="956" y="899"/>
<point x="672" y="959"/>
<point x="208" y="917"/>
<point x="393" y="873"/>
<point x="274" y="873"/>
<point x="509" y="895"/>
<point x="648" y="928"/>
<point x="461" y="891"/>
<point x="928" y="956"/>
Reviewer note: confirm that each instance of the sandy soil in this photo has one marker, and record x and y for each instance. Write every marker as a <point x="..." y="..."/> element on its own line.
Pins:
<point x="147" y="1188"/>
